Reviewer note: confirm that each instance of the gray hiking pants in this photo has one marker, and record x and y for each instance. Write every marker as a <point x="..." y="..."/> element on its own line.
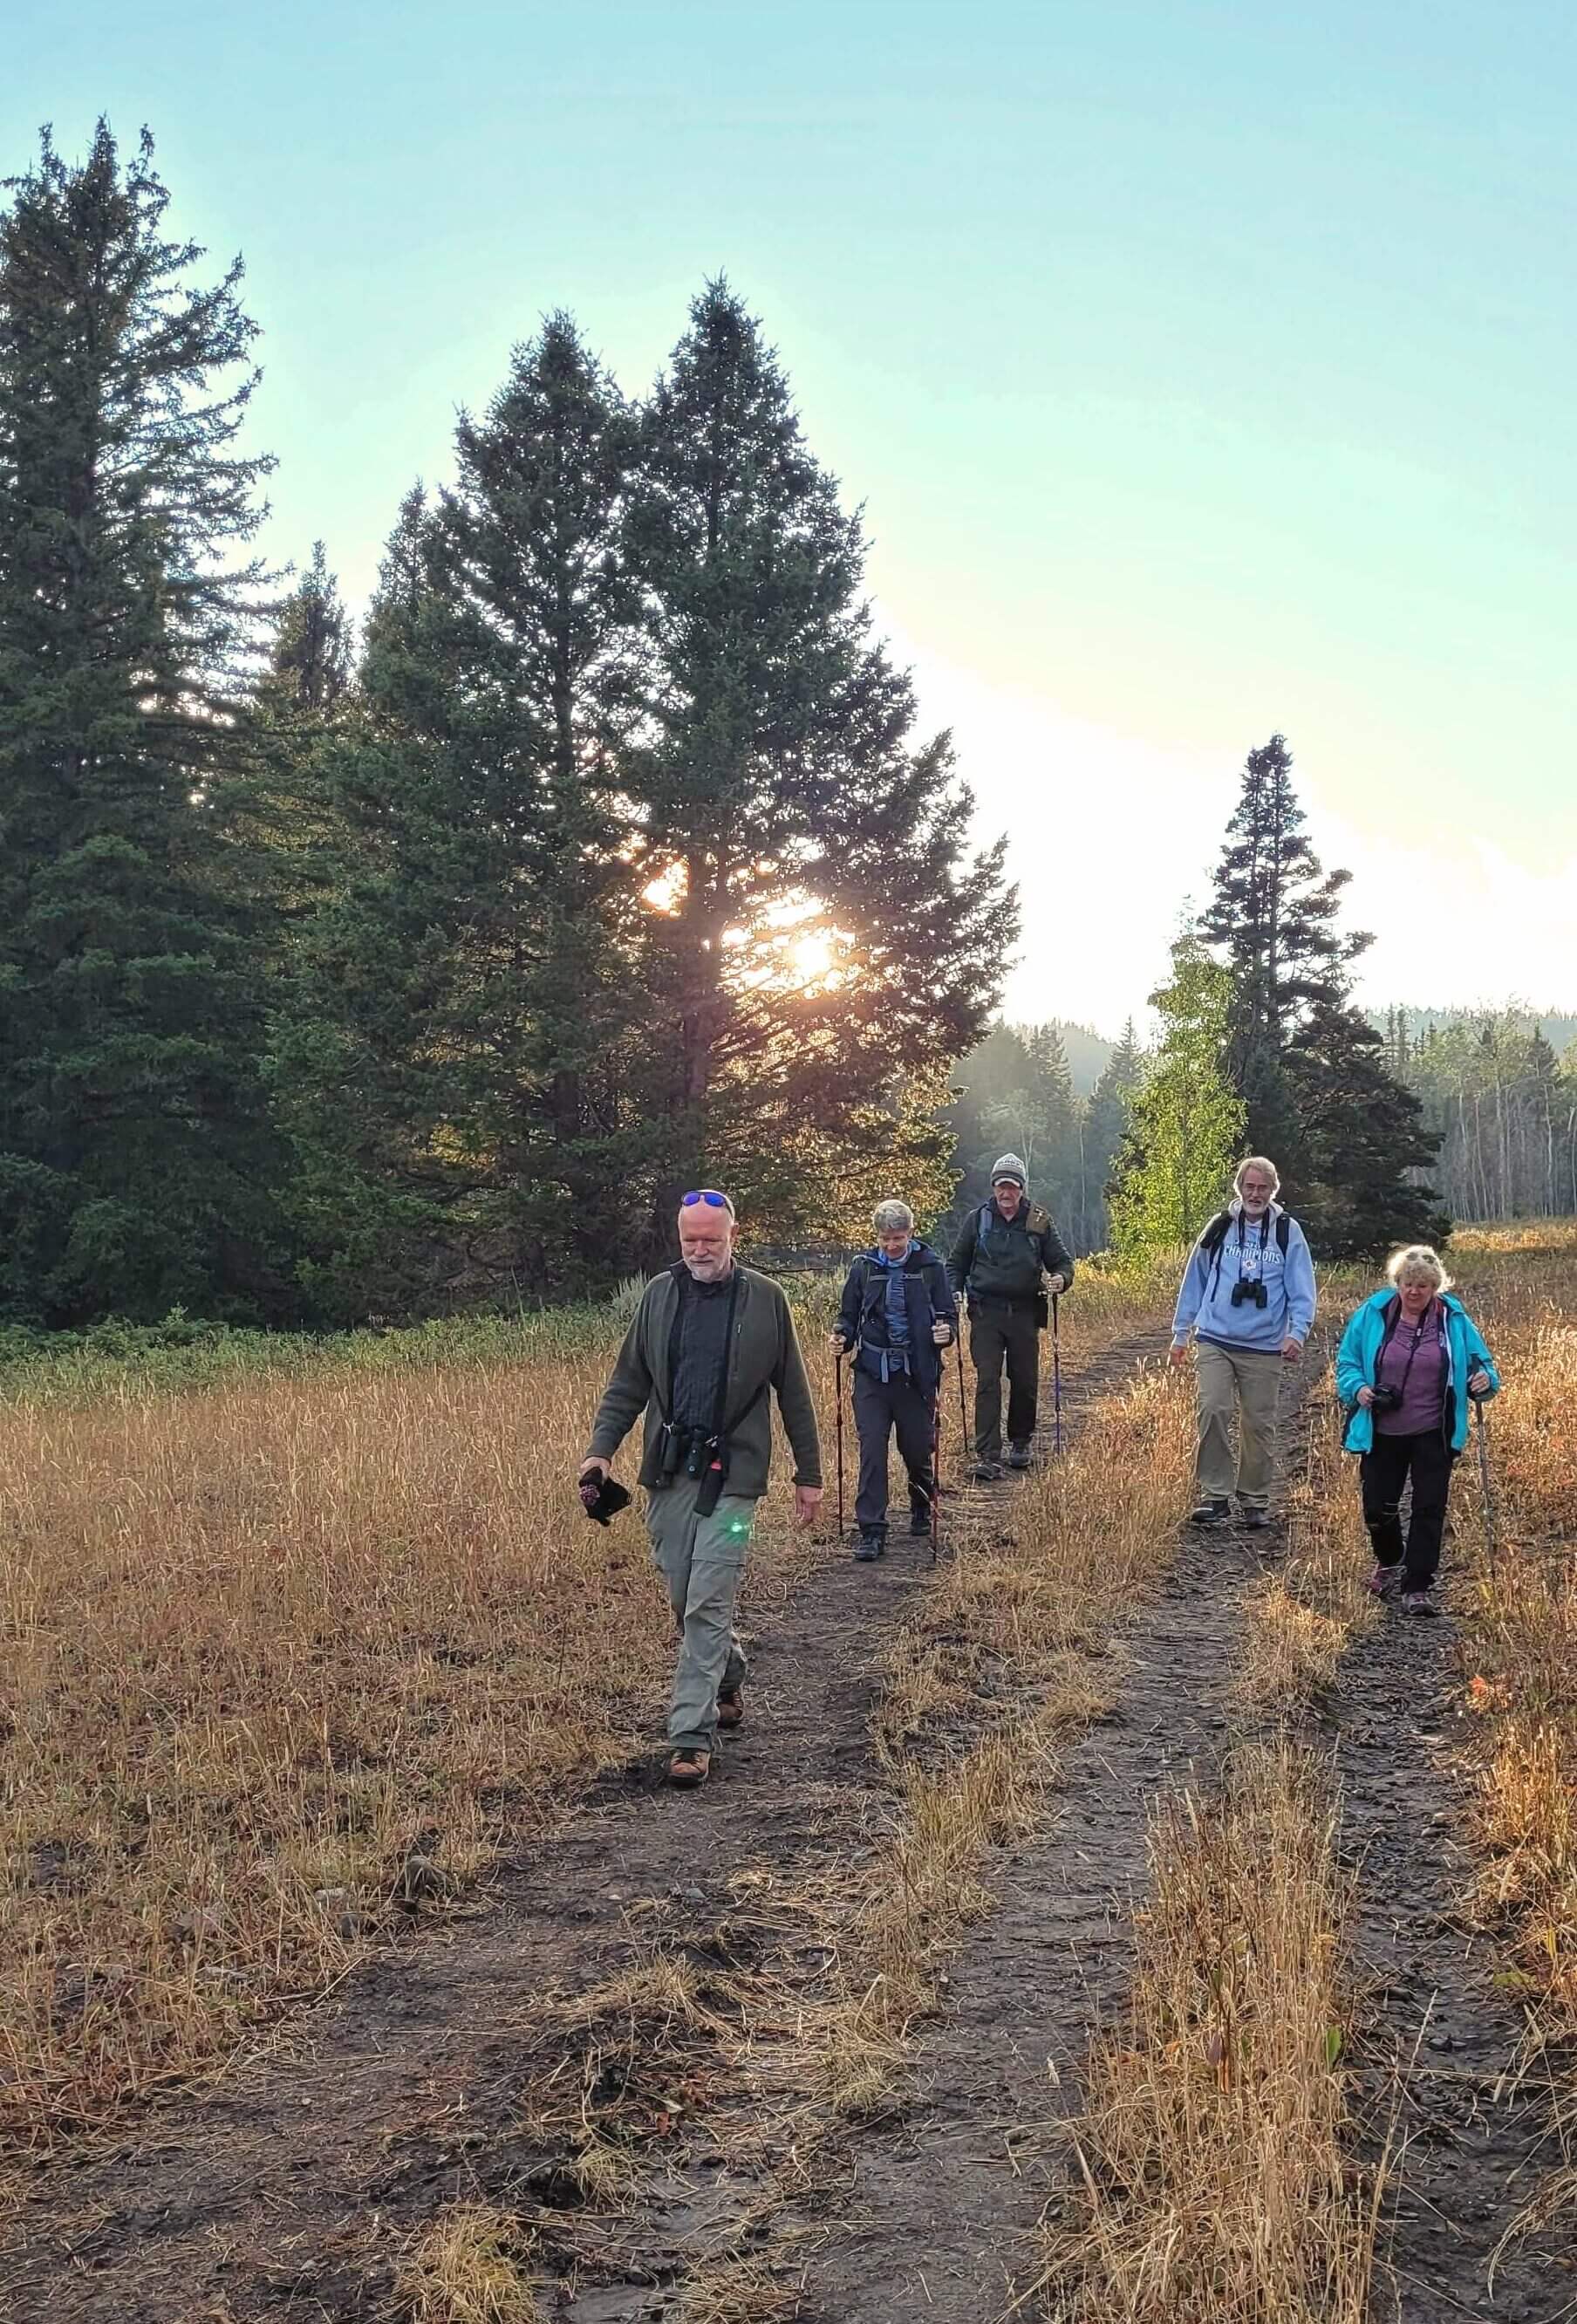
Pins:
<point x="701" y="1559"/>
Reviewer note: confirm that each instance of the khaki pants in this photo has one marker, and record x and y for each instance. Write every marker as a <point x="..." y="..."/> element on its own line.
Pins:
<point x="701" y="1559"/>
<point x="1249" y="1379"/>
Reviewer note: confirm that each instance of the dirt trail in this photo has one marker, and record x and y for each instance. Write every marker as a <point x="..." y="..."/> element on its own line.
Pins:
<point x="289" y="2191"/>
<point x="280" y="2192"/>
<point x="1475" y="2139"/>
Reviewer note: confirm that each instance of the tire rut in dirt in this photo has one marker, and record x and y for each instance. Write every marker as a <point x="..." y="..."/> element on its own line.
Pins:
<point x="1443" y="2046"/>
<point x="940" y="2220"/>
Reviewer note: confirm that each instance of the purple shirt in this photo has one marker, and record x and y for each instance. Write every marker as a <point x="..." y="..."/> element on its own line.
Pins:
<point x="1423" y="1406"/>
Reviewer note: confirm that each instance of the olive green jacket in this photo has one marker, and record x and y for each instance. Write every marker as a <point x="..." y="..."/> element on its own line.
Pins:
<point x="765" y="1357"/>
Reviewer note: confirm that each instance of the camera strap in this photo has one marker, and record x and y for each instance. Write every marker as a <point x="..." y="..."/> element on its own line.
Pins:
<point x="1432" y="1311"/>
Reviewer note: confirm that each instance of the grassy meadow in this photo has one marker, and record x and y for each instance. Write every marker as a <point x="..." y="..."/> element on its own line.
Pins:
<point x="277" y="1615"/>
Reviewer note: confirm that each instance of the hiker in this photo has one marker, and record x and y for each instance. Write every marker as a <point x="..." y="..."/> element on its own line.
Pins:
<point x="1402" y="1359"/>
<point x="1248" y="1297"/>
<point x="709" y="1342"/>
<point x="898" y="1314"/>
<point x="1007" y="1246"/>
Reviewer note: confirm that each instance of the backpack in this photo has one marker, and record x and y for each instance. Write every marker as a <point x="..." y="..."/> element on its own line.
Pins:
<point x="1215" y="1234"/>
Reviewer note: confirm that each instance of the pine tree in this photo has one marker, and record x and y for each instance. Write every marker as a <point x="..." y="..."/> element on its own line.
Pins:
<point x="131" y="1134"/>
<point x="826" y="929"/>
<point x="310" y="663"/>
<point x="1274" y="913"/>
<point x="474" y="982"/>
<point x="1310" y="1069"/>
<point x="1361" y="1134"/>
<point x="1107" y="1118"/>
<point x="1185" y="1125"/>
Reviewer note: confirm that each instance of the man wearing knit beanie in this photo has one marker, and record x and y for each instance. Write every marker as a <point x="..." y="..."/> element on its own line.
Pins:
<point x="1008" y="1249"/>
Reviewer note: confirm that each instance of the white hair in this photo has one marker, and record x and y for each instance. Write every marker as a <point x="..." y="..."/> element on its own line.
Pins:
<point x="1415" y="1262"/>
<point x="1257" y="1162"/>
<point x="891" y="1217"/>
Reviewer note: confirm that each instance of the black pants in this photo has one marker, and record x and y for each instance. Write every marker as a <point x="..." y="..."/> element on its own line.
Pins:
<point x="882" y="1407"/>
<point x="1384" y="1472"/>
<point x="997" y="1331"/>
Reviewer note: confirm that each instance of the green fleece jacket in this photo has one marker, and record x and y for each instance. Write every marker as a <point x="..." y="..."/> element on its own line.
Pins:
<point x="765" y="1356"/>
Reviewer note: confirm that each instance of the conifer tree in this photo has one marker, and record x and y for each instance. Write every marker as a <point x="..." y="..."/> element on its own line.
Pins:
<point x="1274" y="913"/>
<point x="1361" y="1137"/>
<point x="1107" y="1117"/>
<point x="132" y="1136"/>
<point x="473" y="983"/>
<point x="826" y="929"/>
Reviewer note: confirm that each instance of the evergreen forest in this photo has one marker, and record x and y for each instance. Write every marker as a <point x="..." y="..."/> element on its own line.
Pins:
<point x="377" y="969"/>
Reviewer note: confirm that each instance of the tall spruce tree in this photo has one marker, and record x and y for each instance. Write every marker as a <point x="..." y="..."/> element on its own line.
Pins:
<point x="1274" y="914"/>
<point x="131" y="1134"/>
<point x="1106" y="1124"/>
<point x="826" y="931"/>
<point x="1310" y="1069"/>
<point x="474" y="982"/>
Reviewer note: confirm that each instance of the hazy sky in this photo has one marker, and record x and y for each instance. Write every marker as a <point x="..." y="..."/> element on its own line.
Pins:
<point x="1204" y="369"/>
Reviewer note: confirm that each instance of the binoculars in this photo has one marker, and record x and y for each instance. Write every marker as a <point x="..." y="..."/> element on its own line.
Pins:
<point x="1248" y="1295"/>
<point x="701" y="1458"/>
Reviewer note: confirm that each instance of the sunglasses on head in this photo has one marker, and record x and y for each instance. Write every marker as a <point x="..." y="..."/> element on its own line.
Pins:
<point x="707" y="1195"/>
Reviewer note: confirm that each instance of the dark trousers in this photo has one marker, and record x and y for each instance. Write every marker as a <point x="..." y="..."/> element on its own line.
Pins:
<point x="999" y="1332"/>
<point x="880" y="1408"/>
<point x="1383" y="1473"/>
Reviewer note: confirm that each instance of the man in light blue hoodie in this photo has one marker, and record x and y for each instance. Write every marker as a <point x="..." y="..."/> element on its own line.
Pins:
<point x="1248" y="1297"/>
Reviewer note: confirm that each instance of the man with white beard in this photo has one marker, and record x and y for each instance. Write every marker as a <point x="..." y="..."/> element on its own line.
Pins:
<point x="711" y="1342"/>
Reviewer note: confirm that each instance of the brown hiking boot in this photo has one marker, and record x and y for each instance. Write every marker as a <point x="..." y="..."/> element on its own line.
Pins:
<point x="689" y="1770"/>
<point x="730" y="1708"/>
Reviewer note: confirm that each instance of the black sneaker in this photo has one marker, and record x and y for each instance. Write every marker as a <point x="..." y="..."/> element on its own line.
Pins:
<point x="1019" y="1455"/>
<point x="869" y="1547"/>
<point x="920" y="1524"/>
<point x="987" y="1473"/>
<point x="1418" y="1603"/>
<point x="1211" y="1513"/>
<point x="1252" y="1519"/>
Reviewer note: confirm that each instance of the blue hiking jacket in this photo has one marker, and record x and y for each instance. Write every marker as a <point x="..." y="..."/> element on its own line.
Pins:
<point x="1357" y="1366"/>
<point x="1205" y="1301"/>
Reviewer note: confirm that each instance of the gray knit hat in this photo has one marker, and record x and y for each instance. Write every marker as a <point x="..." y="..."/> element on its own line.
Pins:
<point x="1010" y="1166"/>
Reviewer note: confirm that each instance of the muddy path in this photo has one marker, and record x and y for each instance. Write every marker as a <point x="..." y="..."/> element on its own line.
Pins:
<point x="289" y="2187"/>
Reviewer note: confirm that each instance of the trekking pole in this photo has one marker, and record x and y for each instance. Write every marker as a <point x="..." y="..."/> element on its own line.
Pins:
<point x="962" y="1412"/>
<point x="1491" y="1528"/>
<point x="838" y="1393"/>
<point x="935" y="1462"/>
<point x="1056" y="1380"/>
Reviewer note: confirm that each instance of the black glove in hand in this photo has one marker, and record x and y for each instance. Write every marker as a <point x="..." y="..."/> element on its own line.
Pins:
<point x="602" y="1498"/>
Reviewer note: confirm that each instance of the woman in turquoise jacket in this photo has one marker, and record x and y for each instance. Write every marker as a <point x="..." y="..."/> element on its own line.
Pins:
<point x="1410" y="1360"/>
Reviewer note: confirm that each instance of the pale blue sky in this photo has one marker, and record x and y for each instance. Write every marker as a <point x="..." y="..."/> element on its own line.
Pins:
<point x="1203" y="369"/>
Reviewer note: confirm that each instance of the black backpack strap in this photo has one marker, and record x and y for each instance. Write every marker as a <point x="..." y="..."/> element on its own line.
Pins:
<point x="1283" y="1230"/>
<point x="1215" y="1234"/>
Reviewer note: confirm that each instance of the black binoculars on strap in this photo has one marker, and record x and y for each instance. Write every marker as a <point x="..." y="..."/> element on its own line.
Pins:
<point x="1248" y="1295"/>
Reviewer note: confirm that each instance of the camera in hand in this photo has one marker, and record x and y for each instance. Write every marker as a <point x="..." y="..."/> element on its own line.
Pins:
<point x="1384" y="1399"/>
<point x="1250" y="1295"/>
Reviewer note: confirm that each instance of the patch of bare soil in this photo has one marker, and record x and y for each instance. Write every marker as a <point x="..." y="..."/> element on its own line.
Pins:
<point x="632" y="2149"/>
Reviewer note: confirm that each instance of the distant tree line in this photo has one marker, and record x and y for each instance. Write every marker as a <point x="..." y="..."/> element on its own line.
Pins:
<point x="1502" y="1103"/>
<point x="341" y="978"/>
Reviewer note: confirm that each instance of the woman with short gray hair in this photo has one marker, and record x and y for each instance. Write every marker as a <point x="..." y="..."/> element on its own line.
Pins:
<point x="898" y="1315"/>
<point x="1410" y="1361"/>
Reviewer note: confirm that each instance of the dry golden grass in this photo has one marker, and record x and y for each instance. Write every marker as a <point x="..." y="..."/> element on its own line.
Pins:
<point x="1517" y="1620"/>
<point x="1211" y="2184"/>
<point x="467" y="2268"/>
<point x="259" y="1640"/>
